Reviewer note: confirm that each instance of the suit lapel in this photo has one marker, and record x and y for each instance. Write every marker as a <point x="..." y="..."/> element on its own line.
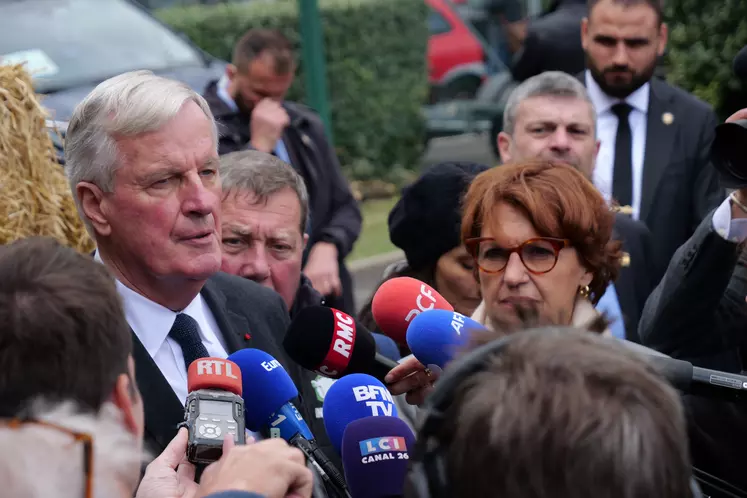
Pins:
<point x="234" y="327"/>
<point x="162" y="408"/>
<point x="659" y="141"/>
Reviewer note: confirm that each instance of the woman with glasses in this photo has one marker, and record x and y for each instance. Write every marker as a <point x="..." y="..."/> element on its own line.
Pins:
<point x="540" y="235"/>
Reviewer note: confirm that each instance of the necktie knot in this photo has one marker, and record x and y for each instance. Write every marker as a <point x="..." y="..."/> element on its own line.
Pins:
<point x="622" y="110"/>
<point x="186" y="333"/>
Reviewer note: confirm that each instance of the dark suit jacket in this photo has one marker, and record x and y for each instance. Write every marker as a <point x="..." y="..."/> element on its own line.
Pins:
<point x="635" y="281"/>
<point x="335" y="215"/>
<point x="680" y="186"/>
<point x="697" y="312"/>
<point x="248" y="315"/>
<point x="553" y="42"/>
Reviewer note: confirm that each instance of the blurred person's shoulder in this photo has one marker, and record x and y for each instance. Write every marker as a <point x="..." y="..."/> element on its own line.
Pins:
<point x="664" y="89"/>
<point x="237" y="289"/>
<point x="302" y="114"/>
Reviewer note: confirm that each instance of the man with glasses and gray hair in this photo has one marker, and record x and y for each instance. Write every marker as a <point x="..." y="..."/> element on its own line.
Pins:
<point x="550" y="116"/>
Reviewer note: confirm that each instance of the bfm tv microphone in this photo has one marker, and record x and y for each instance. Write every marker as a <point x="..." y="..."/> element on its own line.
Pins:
<point x="353" y="397"/>
<point x="331" y="343"/>
<point x="214" y="408"/>
<point x="375" y="456"/>
<point x="435" y="335"/>
<point x="399" y="300"/>
<point x="268" y="390"/>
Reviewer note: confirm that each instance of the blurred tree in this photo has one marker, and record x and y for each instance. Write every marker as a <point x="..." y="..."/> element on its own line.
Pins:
<point x="704" y="38"/>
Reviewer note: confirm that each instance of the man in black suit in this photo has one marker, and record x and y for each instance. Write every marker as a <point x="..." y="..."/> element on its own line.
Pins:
<point x="553" y="42"/>
<point x="549" y="116"/>
<point x="655" y="138"/>
<point x="251" y="111"/>
<point x="142" y="162"/>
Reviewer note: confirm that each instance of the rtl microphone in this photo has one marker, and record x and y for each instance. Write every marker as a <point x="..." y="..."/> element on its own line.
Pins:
<point x="435" y="335"/>
<point x="353" y="397"/>
<point x="375" y="456"/>
<point x="399" y="300"/>
<point x="214" y="408"/>
<point x="268" y="390"/>
<point x="331" y="343"/>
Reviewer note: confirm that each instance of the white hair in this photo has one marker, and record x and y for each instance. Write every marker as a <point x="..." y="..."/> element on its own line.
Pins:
<point x="123" y="106"/>
<point x="37" y="461"/>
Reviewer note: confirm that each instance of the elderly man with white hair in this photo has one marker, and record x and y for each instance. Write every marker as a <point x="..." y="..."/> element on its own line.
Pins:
<point x="142" y="161"/>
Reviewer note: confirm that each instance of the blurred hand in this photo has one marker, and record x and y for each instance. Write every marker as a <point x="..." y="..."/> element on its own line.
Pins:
<point x="323" y="269"/>
<point x="170" y="475"/>
<point x="740" y="114"/>
<point x="269" y="468"/>
<point x="413" y="378"/>
<point x="269" y="119"/>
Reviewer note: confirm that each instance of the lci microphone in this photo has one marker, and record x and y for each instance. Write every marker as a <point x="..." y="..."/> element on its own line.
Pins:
<point x="375" y="456"/>
<point x="435" y="335"/>
<point x="214" y="408"/>
<point x="353" y="397"/>
<point x="268" y="391"/>
<point x="399" y="300"/>
<point x="331" y="343"/>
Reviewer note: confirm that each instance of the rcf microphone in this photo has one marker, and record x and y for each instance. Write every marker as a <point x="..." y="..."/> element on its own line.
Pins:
<point x="268" y="389"/>
<point x="375" y="456"/>
<point x="214" y="408"/>
<point x="331" y="343"/>
<point x="353" y="397"/>
<point x="435" y="335"/>
<point x="399" y="300"/>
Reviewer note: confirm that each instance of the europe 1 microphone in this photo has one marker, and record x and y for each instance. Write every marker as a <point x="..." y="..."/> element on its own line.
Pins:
<point x="214" y="408"/>
<point x="268" y="390"/>
<point x="331" y="343"/>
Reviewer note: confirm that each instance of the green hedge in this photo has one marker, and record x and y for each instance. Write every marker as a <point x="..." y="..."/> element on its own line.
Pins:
<point x="705" y="36"/>
<point x="376" y="72"/>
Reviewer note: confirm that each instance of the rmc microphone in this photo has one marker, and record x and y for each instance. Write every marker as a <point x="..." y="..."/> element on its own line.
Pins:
<point x="214" y="408"/>
<point x="331" y="343"/>
<point x="399" y="300"/>
<point x="375" y="456"/>
<point x="268" y="390"/>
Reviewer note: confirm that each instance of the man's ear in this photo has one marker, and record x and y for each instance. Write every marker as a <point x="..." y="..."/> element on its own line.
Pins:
<point x="231" y="72"/>
<point x="504" y="146"/>
<point x="585" y="33"/>
<point x="125" y="397"/>
<point x="91" y="198"/>
<point x="305" y="240"/>
<point x="663" y="38"/>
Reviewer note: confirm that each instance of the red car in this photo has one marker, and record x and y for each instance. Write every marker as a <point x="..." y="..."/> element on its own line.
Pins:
<point x="456" y="59"/>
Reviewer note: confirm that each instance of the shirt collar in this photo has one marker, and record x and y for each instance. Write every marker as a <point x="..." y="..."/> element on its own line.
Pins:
<point x="222" y="91"/>
<point x="638" y="100"/>
<point x="151" y="321"/>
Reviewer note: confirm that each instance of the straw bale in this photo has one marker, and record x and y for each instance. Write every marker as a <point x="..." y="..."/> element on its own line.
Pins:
<point x="35" y="197"/>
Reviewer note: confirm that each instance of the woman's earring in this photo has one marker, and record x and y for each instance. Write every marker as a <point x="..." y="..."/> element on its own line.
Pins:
<point x="584" y="291"/>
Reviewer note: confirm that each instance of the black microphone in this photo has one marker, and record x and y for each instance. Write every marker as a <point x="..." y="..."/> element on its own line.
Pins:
<point x="689" y="379"/>
<point x="331" y="343"/>
<point x="740" y="64"/>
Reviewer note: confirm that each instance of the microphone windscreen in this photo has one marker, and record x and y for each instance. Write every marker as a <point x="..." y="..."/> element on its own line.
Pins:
<point x="353" y="397"/>
<point x="434" y="336"/>
<point x="329" y="342"/>
<point x="387" y="347"/>
<point x="740" y="65"/>
<point x="214" y="373"/>
<point x="266" y="384"/>
<point x="375" y="456"/>
<point x="399" y="300"/>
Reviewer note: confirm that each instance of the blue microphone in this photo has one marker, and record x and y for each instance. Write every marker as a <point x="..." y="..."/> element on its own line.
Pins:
<point x="267" y="392"/>
<point x="353" y="397"/>
<point x="435" y="335"/>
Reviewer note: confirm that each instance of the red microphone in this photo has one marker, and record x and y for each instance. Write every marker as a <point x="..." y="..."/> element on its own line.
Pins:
<point x="401" y="299"/>
<point x="214" y="408"/>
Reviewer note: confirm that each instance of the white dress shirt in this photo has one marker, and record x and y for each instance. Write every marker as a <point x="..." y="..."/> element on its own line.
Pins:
<point x="729" y="229"/>
<point x="607" y="132"/>
<point x="152" y="322"/>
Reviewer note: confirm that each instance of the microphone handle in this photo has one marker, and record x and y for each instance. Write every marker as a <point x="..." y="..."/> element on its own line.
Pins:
<point x="380" y="366"/>
<point x="326" y="469"/>
<point x="700" y="381"/>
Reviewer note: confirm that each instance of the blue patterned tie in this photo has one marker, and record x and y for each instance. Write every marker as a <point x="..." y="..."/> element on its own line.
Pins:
<point x="186" y="334"/>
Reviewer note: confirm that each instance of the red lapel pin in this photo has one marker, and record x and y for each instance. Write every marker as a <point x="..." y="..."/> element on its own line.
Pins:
<point x="247" y="336"/>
